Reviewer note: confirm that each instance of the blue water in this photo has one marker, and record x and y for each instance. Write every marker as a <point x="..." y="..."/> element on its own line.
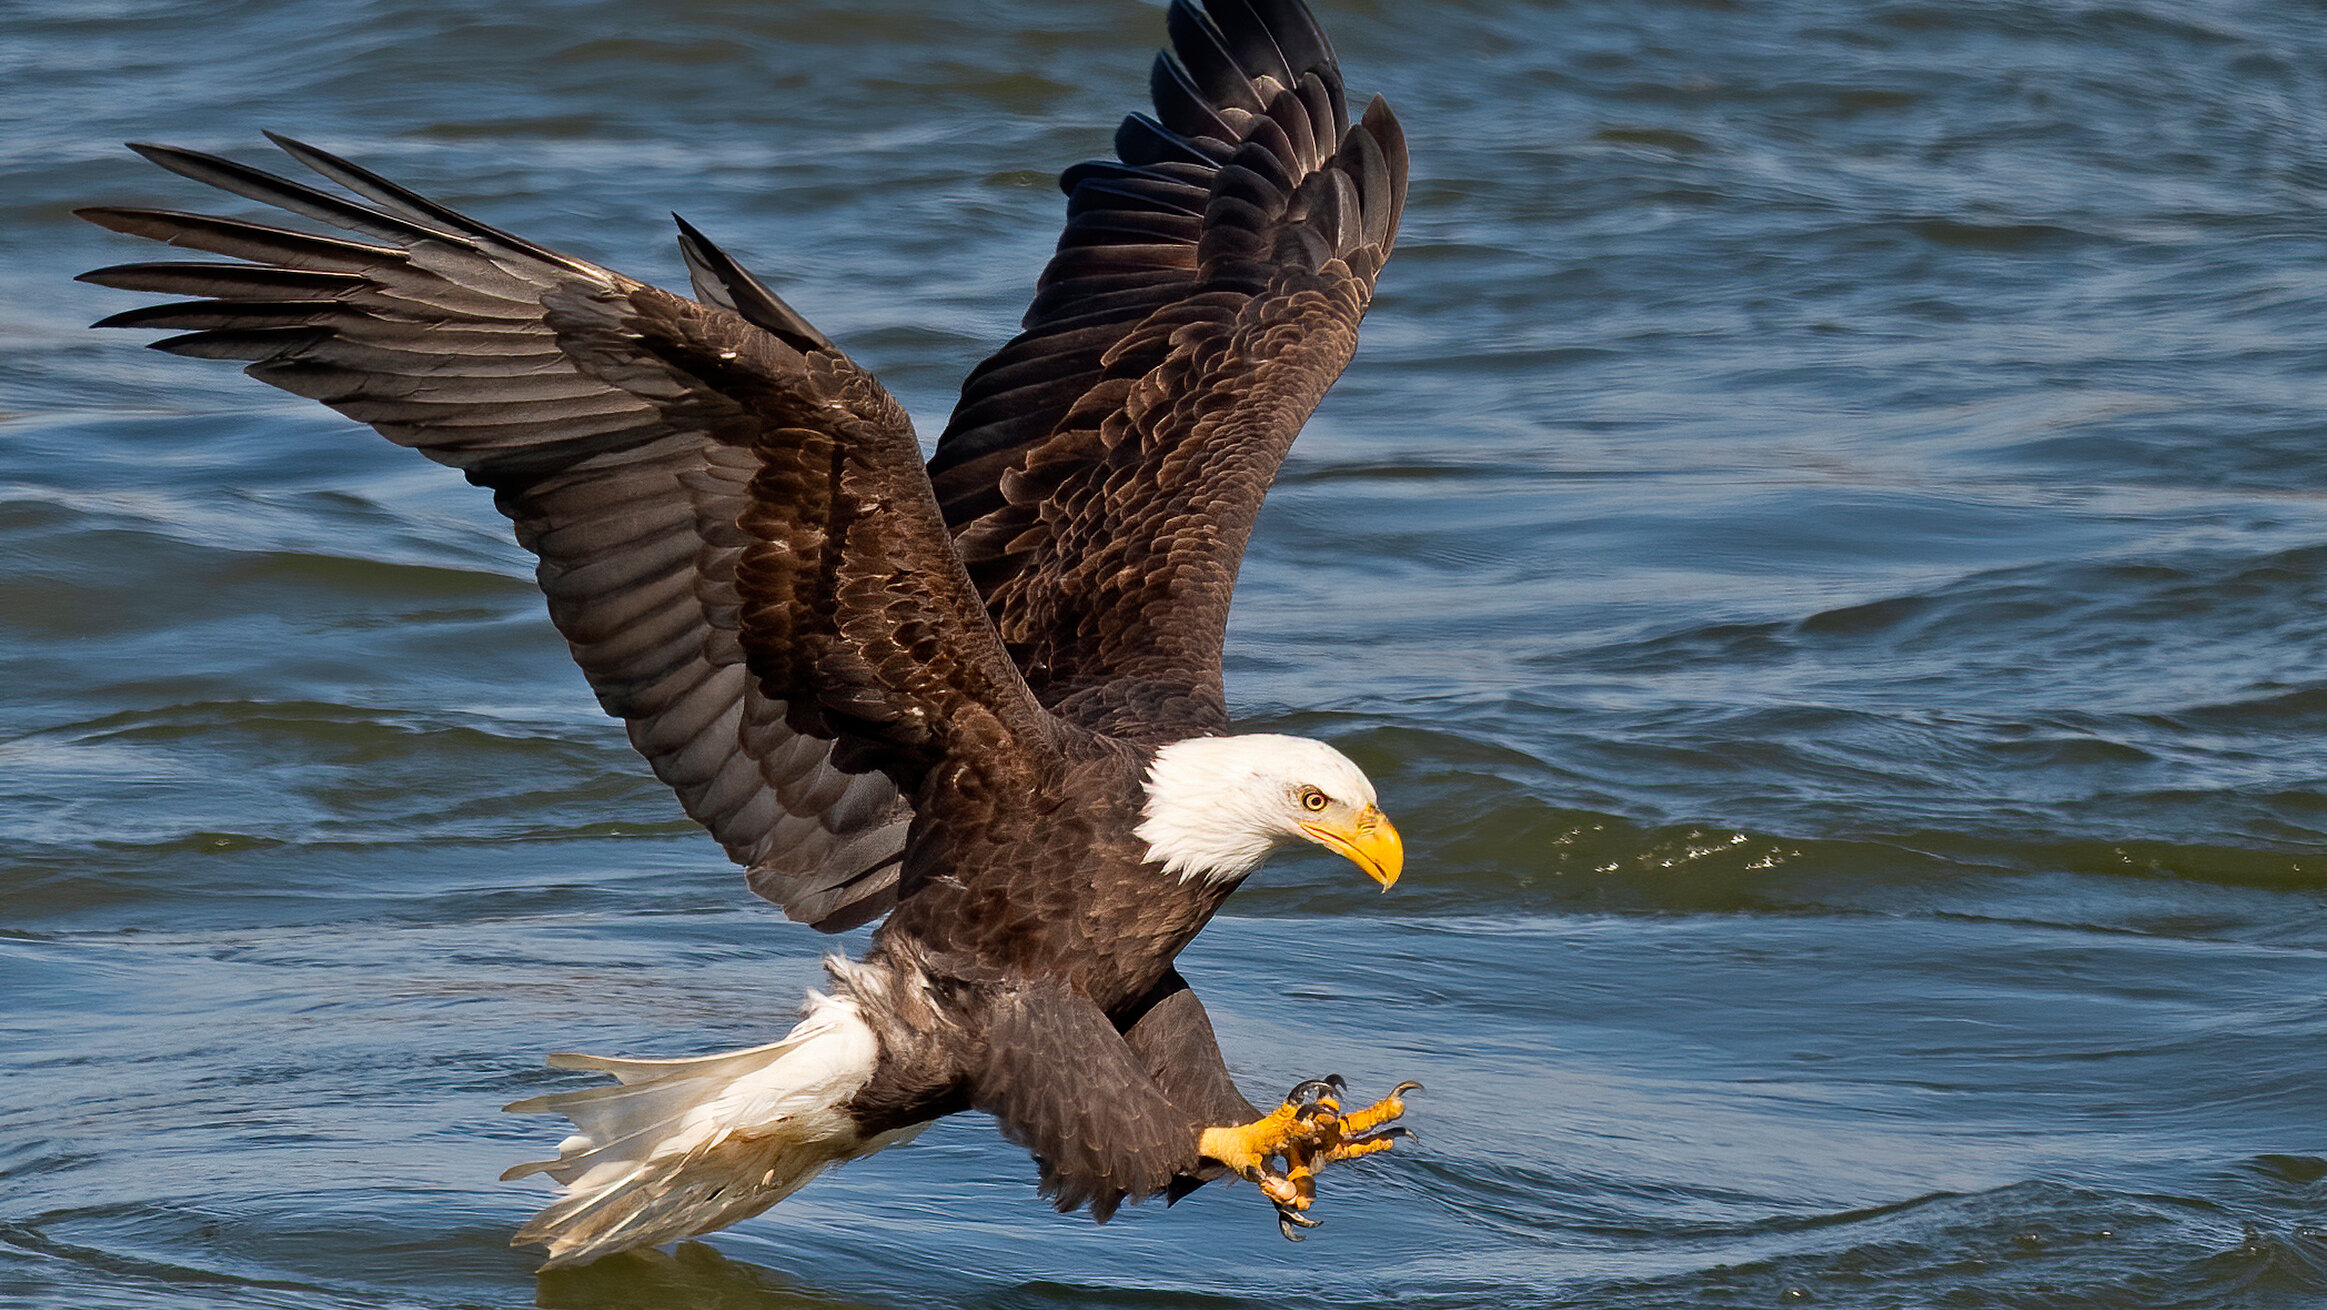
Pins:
<point x="1824" y="548"/>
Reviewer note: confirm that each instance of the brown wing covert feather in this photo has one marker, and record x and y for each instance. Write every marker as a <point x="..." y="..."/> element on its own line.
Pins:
<point x="847" y="587"/>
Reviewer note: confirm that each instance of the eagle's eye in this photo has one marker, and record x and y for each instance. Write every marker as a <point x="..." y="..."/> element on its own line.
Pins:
<point x="1312" y="799"/>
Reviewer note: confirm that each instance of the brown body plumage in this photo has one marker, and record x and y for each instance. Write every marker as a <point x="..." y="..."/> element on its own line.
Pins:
<point x="938" y="694"/>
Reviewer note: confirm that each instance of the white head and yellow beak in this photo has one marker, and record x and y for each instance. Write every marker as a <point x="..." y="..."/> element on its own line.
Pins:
<point x="1216" y="807"/>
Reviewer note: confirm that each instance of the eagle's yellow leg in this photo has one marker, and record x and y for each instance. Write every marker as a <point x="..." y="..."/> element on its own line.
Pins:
<point x="1285" y="1132"/>
<point x="1307" y="1132"/>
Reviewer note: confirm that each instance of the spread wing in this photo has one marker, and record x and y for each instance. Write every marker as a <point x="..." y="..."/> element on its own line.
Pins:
<point x="1103" y="470"/>
<point x="721" y="503"/>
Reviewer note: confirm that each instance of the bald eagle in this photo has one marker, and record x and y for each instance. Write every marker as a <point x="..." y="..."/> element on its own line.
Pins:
<point x="981" y="696"/>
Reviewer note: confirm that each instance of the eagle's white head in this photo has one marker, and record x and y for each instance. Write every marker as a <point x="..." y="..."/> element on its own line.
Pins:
<point x="1216" y="807"/>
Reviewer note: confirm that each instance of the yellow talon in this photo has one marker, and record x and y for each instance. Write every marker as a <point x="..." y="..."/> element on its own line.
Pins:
<point x="1306" y="1134"/>
<point x="1352" y="1150"/>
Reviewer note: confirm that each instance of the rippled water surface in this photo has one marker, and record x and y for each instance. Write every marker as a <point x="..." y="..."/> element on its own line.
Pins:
<point x="1823" y="547"/>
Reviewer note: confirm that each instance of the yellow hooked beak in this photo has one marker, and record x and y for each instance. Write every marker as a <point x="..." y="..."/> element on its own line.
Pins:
<point x="1370" y="843"/>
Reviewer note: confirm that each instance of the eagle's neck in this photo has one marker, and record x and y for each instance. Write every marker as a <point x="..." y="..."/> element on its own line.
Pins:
<point x="1216" y="805"/>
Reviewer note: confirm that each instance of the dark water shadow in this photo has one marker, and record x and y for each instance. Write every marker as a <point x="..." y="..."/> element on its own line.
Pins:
<point x="691" y="1276"/>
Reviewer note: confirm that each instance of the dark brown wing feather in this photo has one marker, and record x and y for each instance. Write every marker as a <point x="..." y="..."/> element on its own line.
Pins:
<point x="720" y="281"/>
<point x="636" y="459"/>
<point x="1171" y="1036"/>
<point x="1061" y="1082"/>
<point x="849" y="602"/>
<point x="1103" y="470"/>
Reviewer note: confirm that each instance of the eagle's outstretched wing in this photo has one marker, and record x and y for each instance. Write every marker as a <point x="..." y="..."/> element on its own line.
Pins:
<point x="720" y="501"/>
<point x="1103" y="470"/>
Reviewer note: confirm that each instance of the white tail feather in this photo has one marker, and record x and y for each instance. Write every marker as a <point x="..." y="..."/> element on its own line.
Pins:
<point x="680" y="1147"/>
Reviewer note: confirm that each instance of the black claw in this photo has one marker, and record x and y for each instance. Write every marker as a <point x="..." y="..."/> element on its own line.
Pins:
<point x="1336" y="1082"/>
<point x="1384" y="1135"/>
<point x="1289" y="1218"/>
<point x="1404" y="1088"/>
<point x="1285" y="1227"/>
<point x="1311" y="1090"/>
